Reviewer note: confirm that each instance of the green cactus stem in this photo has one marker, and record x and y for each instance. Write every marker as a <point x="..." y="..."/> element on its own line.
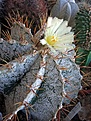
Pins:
<point x="83" y="36"/>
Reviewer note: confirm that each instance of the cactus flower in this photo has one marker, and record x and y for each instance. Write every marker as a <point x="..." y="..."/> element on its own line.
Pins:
<point x="58" y="36"/>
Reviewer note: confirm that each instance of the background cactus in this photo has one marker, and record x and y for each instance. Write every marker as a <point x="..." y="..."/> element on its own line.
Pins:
<point x="35" y="10"/>
<point x="83" y="39"/>
<point x="65" y="9"/>
<point x="83" y="58"/>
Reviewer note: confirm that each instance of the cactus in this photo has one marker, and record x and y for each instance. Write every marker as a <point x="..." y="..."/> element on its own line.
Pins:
<point x="57" y="73"/>
<point x="34" y="10"/>
<point x="83" y="33"/>
<point x="65" y="9"/>
<point x="58" y="76"/>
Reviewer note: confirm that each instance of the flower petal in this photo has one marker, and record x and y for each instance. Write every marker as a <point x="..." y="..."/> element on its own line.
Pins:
<point x="62" y="28"/>
<point x="56" y="24"/>
<point x="43" y="41"/>
<point x="65" y="47"/>
<point x="49" y="21"/>
<point x="53" y="26"/>
<point x="61" y="32"/>
<point x="67" y="38"/>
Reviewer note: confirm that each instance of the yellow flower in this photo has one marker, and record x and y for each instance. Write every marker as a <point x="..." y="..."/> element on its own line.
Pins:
<point x="58" y="35"/>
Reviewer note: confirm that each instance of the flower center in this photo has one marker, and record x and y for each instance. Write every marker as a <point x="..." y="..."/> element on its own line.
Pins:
<point x="51" y="40"/>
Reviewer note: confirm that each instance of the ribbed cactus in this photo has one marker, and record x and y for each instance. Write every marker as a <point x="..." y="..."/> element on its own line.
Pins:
<point x="65" y="9"/>
<point x="58" y="76"/>
<point x="35" y="10"/>
<point x="57" y="73"/>
<point x="83" y="36"/>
